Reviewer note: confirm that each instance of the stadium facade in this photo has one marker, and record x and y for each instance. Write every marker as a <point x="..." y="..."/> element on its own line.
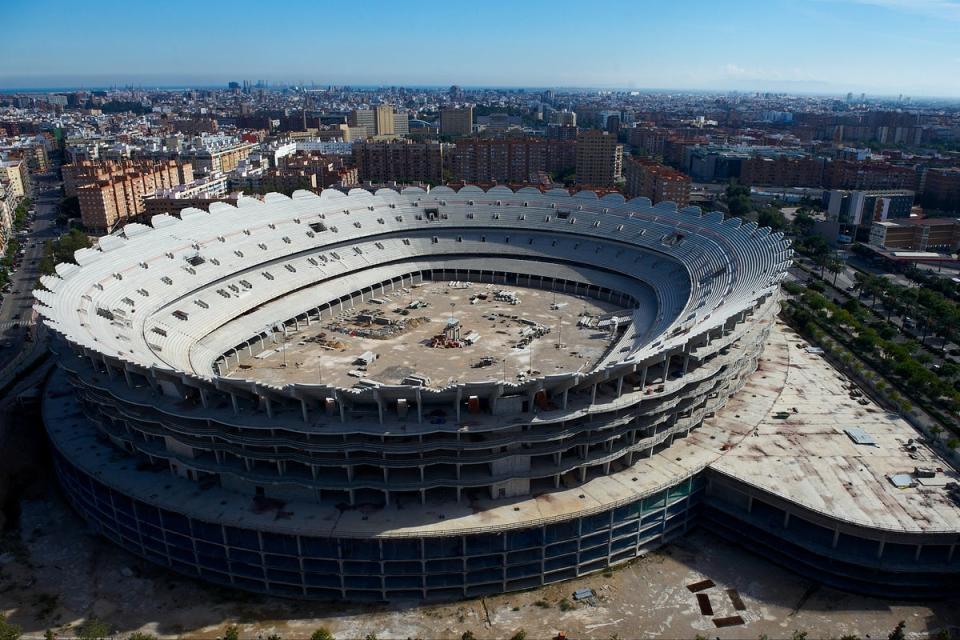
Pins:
<point x="391" y="491"/>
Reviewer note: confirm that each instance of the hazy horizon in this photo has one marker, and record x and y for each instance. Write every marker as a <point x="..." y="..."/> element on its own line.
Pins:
<point x="822" y="47"/>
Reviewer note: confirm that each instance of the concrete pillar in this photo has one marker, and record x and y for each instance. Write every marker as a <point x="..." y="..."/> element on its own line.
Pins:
<point x="643" y="377"/>
<point x="786" y="519"/>
<point x="566" y="392"/>
<point x="303" y="409"/>
<point x="203" y="397"/>
<point x="269" y="406"/>
<point x="880" y="549"/>
<point x="619" y="386"/>
<point x="749" y="504"/>
<point x="233" y="401"/>
<point x="836" y="538"/>
<point x="593" y="394"/>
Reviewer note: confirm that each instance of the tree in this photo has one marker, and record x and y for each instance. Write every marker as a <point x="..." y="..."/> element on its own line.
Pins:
<point x="321" y="634"/>
<point x="8" y="630"/>
<point x="94" y="629"/>
<point x="737" y="198"/>
<point x="467" y="635"/>
<point x="519" y="635"/>
<point x="139" y="635"/>
<point x="232" y="632"/>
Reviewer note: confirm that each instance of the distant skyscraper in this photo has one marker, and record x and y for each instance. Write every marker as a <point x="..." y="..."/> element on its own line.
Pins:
<point x="456" y="121"/>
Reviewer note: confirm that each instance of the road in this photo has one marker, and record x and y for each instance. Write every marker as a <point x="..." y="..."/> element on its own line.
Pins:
<point x="845" y="281"/>
<point x="16" y="310"/>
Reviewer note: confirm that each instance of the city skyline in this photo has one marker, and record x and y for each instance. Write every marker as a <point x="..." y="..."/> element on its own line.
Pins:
<point x="810" y="47"/>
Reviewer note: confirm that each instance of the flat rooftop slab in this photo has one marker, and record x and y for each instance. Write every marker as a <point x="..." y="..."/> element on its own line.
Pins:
<point x="807" y="457"/>
<point x="330" y="350"/>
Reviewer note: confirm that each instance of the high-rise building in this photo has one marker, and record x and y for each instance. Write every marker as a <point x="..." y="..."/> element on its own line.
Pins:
<point x="401" y="124"/>
<point x="599" y="159"/>
<point x="649" y="179"/>
<point x="385" y="123"/>
<point x="456" y="121"/>
<point x="365" y="118"/>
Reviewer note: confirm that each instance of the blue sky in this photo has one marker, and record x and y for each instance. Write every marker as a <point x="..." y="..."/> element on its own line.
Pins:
<point x="821" y="46"/>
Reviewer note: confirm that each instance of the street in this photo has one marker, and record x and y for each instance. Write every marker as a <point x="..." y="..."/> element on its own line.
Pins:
<point x="16" y="309"/>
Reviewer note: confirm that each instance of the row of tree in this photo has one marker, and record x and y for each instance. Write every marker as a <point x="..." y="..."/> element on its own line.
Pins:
<point x="878" y="343"/>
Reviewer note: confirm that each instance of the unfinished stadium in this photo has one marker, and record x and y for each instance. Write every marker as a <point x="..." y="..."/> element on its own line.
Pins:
<point x="439" y="395"/>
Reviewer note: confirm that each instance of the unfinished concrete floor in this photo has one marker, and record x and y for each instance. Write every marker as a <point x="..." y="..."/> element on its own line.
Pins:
<point x="499" y="324"/>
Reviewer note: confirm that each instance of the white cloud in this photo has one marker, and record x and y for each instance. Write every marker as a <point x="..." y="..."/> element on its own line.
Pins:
<point x="737" y="72"/>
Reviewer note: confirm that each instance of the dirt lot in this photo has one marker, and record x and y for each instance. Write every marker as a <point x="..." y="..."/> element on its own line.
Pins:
<point x="497" y="322"/>
<point x="54" y="574"/>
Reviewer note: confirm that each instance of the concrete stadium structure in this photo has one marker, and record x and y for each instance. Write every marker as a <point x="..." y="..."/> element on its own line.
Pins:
<point x="384" y="491"/>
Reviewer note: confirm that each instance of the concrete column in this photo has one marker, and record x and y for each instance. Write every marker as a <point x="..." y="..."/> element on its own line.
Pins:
<point x="786" y="519"/>
<point x="233" y="401"/>
<point x="836" y="538"/>
<point x="269" y="406"/>
<point x="203" y="397"/>
<point x="619" y="386"/>
<point x="880" y="549"/>
<point x="593" y="394"/>
<point x="566" y="392"/>
<point x="303" y="409"/>
<point x="419" y="407"/>
<point x="643" y="378"/>
<point x="459" y="399"/>
<point x="749" y="504"/>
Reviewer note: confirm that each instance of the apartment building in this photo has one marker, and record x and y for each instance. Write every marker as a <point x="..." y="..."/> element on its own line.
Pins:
<point x="400" y="161"/>
<point x="782" y="171"/>
<point x="867" y="175"/>
<point x="15" y="174"/>
<point x="599" y="159"/>
<point x="107" y="202"/>
<point x="219" y="159"/>
<point x="456" y="121"/>
<point x="483" y="160"/>
<point x="941" y="189"/>
<point x="649" y="179"/>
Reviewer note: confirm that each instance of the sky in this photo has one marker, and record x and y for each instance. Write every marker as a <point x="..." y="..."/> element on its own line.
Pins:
<point x="881" y="47"/>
